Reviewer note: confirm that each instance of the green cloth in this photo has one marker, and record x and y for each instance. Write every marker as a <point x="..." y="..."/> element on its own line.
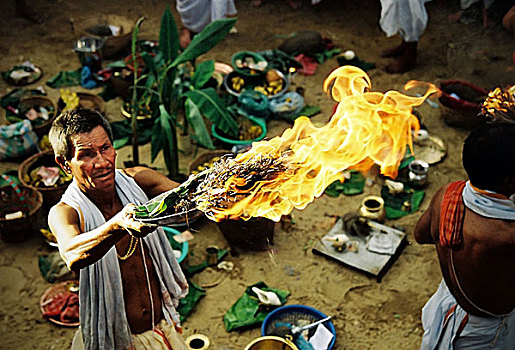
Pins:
<point x="187" y="304"/>
<point x="53" y="268"/>
<point x="247" y="311"/>
<point x="401" y="204"/>
<point x="349" y="187"/>
<point x="323" y="56"/>
<point x="191" y="270"/>
<point x="65" y="78"/>
<point x="306" y="111"/>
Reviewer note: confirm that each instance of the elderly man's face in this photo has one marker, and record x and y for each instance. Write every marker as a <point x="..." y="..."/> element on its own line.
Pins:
<point x="93" y="160"/>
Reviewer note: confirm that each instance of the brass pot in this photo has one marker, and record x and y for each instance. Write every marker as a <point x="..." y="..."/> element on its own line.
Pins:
<point x="372" y="207"/>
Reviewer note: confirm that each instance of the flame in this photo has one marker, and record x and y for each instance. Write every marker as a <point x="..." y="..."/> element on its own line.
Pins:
<point x="367" y="128"/>
<point x="500" y="105"/>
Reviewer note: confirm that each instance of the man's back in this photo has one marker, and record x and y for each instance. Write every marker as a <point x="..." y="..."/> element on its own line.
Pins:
<point x="479" y="272"/>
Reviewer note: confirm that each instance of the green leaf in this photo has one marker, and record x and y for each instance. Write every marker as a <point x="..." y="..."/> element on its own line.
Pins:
<point x="205" y="40"/>
<point x="169" y="137"/>
<point x="168" y="36"/>
<point x="203" y="73"/>
<point x="197" y="123"/>
<point x="213" y="108"/>
<point x="157" y="140"/>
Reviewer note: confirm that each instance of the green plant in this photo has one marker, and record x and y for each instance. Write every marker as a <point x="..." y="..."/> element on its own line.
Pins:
<point x="172" y="81"/>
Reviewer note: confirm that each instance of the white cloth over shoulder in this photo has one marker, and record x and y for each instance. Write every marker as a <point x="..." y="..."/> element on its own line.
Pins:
<point x="406" y="17"/>
<point x="442" y="319"/>
<point x="488" y="206"/>
<point x="197" y="14"/>
<point x="102" y="308"/>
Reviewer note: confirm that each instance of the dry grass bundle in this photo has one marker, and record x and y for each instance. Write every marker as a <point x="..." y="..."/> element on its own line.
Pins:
<point x="229" y="180"/>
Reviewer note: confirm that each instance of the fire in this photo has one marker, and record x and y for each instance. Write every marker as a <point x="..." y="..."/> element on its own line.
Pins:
<point x="367" y="128"/>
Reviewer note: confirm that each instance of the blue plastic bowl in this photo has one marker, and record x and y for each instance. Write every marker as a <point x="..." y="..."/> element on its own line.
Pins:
<point x="183" y="247"/>
<point x="290" y="314"/>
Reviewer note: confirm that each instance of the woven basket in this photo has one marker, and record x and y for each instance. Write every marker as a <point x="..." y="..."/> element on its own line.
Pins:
<point x="51" y="195"/>
<point x="206" y="157"/>
<point x="113" y="44"/>
<point x="35" y="102"/>
<point x="20" y="229"/>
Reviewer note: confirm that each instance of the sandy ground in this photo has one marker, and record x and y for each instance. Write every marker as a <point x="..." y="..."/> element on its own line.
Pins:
<point x="366" y="314"/>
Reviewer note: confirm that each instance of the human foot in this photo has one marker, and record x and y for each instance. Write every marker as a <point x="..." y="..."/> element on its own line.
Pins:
<point x="25" y="11"/>
<point x="185" y="37"/>
<point x="455" y="17"/>
<point x="405" y="62"/>
<point x="394" y="51"/>
<point x="294" y="4"/>
<point x="257" y="3"/>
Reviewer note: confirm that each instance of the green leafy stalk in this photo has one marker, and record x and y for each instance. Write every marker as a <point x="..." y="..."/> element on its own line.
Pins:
<point x="134" y="110"/>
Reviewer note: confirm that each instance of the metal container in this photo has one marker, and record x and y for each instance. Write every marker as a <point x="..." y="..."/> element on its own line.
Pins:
<point x="372" y="207"/>
<point x="418" y="173"/>
<point x="271" y="342"/>
<point x="90" y="51"/>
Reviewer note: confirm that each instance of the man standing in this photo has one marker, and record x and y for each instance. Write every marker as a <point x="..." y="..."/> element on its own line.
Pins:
<point x="130" y="281"/>
<point x="472" y="225"/>
<point x="409" y="19"/>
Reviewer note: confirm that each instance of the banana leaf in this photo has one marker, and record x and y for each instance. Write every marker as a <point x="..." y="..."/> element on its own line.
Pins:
<point x="205" y="40"/>
<point x="200" y="132"/>
<point x="212" y="107"/>
<point x="168" y="36"/>
<point x="203" y="73"/>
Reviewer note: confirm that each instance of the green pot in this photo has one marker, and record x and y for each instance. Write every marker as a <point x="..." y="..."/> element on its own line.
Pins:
<point x="258" y="121"/>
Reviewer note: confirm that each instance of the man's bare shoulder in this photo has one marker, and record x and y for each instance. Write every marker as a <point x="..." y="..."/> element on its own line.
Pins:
<point x="62" y="210"/>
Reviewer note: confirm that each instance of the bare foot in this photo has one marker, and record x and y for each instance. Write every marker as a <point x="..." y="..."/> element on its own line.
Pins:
<point x="294" y="4"/>
<point x="25" y="11"/>
<point x="487" y="22"/>
<point x="185" y="37"/>
<point x="394" y="51"/>
<point x="405" y="62"/>
<point x="455" y="17"/>
<point x="257" y="3"/>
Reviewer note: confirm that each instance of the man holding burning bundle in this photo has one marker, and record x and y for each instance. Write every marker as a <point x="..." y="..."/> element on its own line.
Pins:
<point x="472" y="225"/>
<point x="130" y="281"/>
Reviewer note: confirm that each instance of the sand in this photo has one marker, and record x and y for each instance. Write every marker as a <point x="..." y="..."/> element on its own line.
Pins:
<point x="366" y="314"/>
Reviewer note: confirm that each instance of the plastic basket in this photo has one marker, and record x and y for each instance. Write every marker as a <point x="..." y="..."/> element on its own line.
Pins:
<point x="183" y="247"/>
<point x="247" y="71"/>
<point x="291" y="314"/>
<point x="232" y="142"/>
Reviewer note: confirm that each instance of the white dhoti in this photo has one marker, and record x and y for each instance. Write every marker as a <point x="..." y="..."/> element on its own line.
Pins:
<point x="448" y="326"/>
<point x="405" y="17"/>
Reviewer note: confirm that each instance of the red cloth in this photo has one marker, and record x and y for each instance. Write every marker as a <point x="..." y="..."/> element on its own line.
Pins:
<point x="309" y="64"/>
<point x="63" y="307"/>
<point x="452" y="212"/>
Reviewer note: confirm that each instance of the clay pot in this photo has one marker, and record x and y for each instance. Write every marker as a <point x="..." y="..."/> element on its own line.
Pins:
<point x="255" y="234"/>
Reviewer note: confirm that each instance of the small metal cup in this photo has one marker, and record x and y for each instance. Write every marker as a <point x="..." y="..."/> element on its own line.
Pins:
<point x="418" y="173"/>
<point x="212" y="255"/>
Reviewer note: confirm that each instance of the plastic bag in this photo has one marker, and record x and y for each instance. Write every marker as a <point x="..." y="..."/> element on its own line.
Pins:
<point x="17" y="140"/>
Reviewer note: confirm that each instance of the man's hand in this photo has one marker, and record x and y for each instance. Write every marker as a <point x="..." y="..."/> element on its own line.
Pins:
<point x="126" y="220"/>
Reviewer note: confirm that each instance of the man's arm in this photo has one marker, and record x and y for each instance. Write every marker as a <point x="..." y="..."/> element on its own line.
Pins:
<point x="422" y="232"/>
<point x="79" y="249"/>
<point x="152" y="182"/>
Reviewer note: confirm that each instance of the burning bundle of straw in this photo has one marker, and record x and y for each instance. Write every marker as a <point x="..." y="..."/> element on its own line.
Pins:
<point x="229" y="181"/>
<point x="499" y="106"/>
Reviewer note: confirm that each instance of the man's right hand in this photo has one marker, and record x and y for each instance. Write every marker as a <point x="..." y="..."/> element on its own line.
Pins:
<point x="126" y="220"/>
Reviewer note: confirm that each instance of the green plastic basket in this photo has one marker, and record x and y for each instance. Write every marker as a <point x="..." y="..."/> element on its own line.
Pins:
<point x="246" y="71"/>
<point x="258" y="121"/>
